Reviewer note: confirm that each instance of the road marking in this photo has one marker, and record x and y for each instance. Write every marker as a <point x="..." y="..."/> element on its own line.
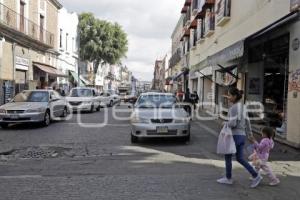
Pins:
<point x="21" y="176"/>
<point x="114" y="125"/>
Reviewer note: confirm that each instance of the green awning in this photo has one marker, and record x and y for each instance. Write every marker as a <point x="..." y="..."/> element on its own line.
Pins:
<point x="75" y="76"/>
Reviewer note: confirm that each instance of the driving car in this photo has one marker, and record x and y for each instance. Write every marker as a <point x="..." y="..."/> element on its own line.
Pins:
<point x="157" y="115"/>
<point x="84" y="99"/>
<point x="109" y="98"/>
<point x="33" y="106"/>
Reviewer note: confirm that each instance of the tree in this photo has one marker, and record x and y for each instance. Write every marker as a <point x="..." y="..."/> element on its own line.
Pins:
<point x="101" y="42"/>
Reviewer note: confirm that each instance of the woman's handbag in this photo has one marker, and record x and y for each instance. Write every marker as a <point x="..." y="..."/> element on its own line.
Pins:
<point x="226" y="144"/>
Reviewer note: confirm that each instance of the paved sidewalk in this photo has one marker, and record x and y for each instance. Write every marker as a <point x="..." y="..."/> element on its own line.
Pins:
<point x="285" y="160"/>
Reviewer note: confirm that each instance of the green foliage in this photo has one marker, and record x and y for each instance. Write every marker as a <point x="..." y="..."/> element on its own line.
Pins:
<point x="101" y="42"/>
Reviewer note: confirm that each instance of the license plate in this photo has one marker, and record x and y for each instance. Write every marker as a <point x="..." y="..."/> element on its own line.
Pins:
<point x="162" y="129"/>
<point x="14" y="116"/>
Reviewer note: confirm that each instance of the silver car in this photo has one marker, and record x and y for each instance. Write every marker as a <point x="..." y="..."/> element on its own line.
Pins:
<point x="157" y="115"/>
<point x="33" y="106"/>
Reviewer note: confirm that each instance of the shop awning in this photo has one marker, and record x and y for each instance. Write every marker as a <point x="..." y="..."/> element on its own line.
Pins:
<point x="85" y="81"/>
<point x="230" y="53"/>
<point x="178" y="75"/>
<point x="75" y="76"/>
<point x="50" y="70"/>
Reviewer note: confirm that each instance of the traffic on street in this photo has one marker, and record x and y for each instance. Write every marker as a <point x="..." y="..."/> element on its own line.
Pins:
<point x="149" y="100"/>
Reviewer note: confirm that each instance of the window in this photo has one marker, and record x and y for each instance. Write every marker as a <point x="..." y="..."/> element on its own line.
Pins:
<point x="73" y="44"/>
<point x="60" y="38"/>
<point x="42" y="21"/>
<point x="22" y="16"/>
<point x="67" y="35"/>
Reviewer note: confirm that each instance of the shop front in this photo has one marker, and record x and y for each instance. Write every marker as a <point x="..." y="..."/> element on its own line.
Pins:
<point x="268" y="75"/>
<point x="46" y="76"/>
<point x="21" y="74"/>
<point x="272" y="77"/>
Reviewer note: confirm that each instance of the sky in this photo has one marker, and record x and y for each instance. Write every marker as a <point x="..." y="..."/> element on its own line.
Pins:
<point x="148" y="23"/>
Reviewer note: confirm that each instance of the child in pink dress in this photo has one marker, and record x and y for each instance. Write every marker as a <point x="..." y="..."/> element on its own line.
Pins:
<point x="262" y="151"/>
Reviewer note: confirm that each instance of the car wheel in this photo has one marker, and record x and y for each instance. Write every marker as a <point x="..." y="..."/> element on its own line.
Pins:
<point x="47" y="119"/>
<point x="98" y="108"/>
<point x="4" y="126"/>
<point x="134" y="139"/>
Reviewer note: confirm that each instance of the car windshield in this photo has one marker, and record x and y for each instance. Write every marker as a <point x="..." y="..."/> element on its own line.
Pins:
<point x="32" y="96"/>
<point x="156" y="101"/>
<point x="81" y="93"/>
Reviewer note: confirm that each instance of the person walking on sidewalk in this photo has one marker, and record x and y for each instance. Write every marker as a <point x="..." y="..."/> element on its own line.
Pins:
<point x="240" y="126"/>
<point x="262" y="150"/>
<point x="188" y="101"/>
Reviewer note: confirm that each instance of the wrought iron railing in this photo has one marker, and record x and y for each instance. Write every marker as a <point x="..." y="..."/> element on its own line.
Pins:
<point x="18" y="22"/>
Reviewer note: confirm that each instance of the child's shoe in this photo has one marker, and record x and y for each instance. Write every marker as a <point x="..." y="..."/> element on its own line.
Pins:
<point x="274" y="182"/>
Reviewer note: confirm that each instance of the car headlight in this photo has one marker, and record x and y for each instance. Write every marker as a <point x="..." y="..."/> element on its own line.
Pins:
<point x="2" y="111"/>
<point x="137" y="120"/>
<point x="182" y="120"/>
<point x="35" y="110"/>
<point x="87" y="102"/>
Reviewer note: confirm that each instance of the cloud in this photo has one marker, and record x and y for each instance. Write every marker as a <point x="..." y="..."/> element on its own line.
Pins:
<point x="148" y="23"/>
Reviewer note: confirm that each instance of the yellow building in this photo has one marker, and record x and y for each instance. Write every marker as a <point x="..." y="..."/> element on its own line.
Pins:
<point x="253" y="45"/>
<point x="28" y="45"/>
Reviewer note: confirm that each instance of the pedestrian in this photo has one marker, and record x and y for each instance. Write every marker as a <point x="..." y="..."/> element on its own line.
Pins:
<point x="195" y="97"/>
<point x="239" y="123"/>
<point x="262" y="151"/>
<point x="180" y="95"/>
<point x="188" y="101"/>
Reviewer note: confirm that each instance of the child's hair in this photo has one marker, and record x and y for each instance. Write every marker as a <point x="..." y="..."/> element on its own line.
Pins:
<point x="269" y="132"/>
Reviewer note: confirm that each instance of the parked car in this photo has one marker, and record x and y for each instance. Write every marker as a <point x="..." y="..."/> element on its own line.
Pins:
<point x="84" y="99"/>
<point x="109" y="98"/>
<point x="157" y="115"/>
<point x="33" y="106"/>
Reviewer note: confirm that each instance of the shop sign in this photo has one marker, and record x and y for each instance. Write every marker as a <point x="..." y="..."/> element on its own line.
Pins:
<point x="294" y="83"/>
<point x="22" y="63"/>
<point x="232" y="52"/>
<point x="254" y="86"/>
<point x="295" y="5"/>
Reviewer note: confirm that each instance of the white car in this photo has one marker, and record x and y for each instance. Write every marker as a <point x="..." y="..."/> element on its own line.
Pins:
<point x="109" y="98"/>
<point x="157" y="115"/>
<point x="84" y="99"/>
<point x="31" y="106"/>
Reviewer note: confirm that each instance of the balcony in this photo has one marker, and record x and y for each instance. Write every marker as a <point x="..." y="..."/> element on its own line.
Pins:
<point x="223" y="12"/>
<point x="209" y="23"/>
<point x="175" y="59"/>
<point x="203" y="6"/>
<point x="22" y="30"/>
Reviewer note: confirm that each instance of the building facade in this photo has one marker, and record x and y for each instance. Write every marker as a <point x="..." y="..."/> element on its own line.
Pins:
<point x="28" y="47"/>
<point x="156" y="83"/>
<point x="252" y="45"/>
<point x="175" y="63"/>
<point x="68" y="45"/>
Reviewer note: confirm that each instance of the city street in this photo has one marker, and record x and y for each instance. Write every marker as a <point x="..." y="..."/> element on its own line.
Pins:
<point x="68" y="161"/>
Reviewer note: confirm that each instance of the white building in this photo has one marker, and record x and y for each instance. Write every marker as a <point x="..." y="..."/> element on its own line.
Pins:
<point x="68" y="45"/>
